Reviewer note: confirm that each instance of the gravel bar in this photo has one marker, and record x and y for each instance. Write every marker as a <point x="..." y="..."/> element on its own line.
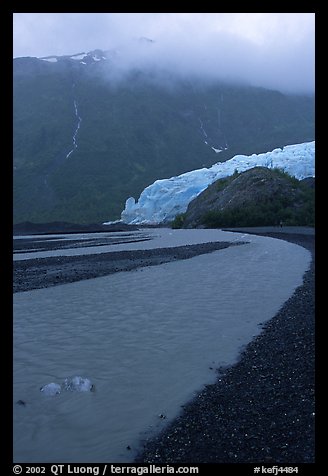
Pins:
<point x="260" y="410"/>
<point x="36" y="273"/>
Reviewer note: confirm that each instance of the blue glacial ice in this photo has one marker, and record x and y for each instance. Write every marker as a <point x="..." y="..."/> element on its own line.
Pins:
<point x="51" y="389"/>
<point x="161" y="201"/>
<point x="73" y="384"/>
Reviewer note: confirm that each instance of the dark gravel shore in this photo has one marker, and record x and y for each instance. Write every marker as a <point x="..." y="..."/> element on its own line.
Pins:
<point x="44" y="272"/>
<point x="260" y="410"/>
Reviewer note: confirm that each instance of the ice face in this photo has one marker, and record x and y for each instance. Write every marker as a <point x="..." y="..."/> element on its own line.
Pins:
<point x="73" y="384"/>
<point x="78" y="384"/>
<point x="164" y="199"/>
<point x="51" y="389"/>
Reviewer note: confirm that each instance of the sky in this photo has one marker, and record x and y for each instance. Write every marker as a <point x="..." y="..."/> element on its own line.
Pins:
<point x="272" y="50"/>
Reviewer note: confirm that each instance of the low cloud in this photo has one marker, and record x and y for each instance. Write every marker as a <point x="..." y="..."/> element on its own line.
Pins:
<point x="273" y="50"/>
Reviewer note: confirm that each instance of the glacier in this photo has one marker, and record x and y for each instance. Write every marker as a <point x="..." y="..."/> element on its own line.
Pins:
<point x="161" y="201"/>
<point x="74" y="384"/>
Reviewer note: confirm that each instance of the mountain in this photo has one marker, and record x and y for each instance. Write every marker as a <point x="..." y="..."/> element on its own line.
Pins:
<point x="164" y="199"/>
<point x="88" y="134"/>
<point x="257" y="197"/>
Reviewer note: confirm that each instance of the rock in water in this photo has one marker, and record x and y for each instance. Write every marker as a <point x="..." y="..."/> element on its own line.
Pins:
<point x="51" y="389"/>
<point x="21" y="402"/>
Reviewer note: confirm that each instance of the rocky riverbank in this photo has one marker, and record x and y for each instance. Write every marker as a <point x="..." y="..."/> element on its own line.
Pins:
<point x="261" y="410"/>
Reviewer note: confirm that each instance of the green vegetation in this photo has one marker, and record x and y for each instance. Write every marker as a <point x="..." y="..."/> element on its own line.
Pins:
<point x="257" y="197"/>
<point x="178" y="221"/>
<point x="132" y="133"/>
<point x="266" y="212"/>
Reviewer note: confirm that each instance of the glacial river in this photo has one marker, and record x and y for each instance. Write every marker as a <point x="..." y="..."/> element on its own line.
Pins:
<point x="148" y="339"/>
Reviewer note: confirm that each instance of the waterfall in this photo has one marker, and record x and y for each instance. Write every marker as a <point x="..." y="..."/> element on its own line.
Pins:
<point x="79" y="120"/>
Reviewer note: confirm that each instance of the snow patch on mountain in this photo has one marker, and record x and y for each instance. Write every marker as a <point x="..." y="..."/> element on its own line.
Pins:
<point x="51" y="59"/>
<point x="164" y="199"/>
<point x="90" y="57"/>
<point x="216" y="150"/>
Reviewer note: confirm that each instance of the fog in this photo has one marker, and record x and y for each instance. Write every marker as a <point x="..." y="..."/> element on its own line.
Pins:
<point x="272" y="50"/>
